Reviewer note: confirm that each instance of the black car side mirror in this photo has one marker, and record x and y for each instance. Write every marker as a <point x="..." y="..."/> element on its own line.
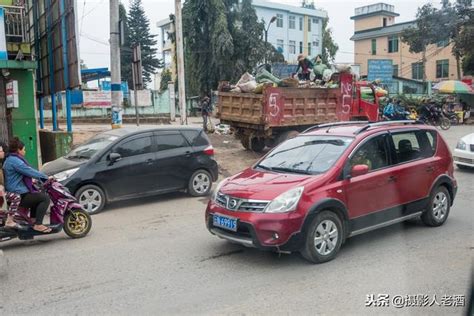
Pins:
<point x="114" y="157"/>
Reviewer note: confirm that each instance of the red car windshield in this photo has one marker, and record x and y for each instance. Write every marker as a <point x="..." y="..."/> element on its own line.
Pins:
<point x="306" y="154"/>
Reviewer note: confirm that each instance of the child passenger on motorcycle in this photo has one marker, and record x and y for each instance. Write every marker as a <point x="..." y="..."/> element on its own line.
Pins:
<point x="19" y="177"/>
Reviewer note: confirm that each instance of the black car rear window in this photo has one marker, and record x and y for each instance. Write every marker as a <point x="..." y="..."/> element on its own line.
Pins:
<point x="196" y="138"/>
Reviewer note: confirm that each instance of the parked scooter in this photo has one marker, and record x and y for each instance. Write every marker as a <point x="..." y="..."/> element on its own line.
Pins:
<point x="433" y="115"/>
<point x="65" y="214"/>
<point x="451" y="116"/>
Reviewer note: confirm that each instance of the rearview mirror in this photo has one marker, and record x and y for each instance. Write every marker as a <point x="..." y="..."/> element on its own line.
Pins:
<point x="114" y="157"/>
<point x="359" y="170"/>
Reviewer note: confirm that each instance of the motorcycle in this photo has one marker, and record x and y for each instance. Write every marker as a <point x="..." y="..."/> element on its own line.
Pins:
<point x="451" y="116"/>
<point x="65" y="214"/>
<point x="435" y="116"/>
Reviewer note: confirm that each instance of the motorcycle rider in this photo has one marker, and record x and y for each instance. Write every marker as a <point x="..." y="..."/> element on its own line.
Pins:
<point x="18" y="179"/>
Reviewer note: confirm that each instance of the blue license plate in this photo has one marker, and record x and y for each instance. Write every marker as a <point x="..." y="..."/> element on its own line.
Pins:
<point x="225" y="222"/>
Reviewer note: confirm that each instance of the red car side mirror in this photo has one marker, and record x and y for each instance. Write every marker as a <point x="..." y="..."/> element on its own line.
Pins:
<point x="359" y="170"/>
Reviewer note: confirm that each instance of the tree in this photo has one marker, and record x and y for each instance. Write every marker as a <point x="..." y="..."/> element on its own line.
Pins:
<point x="139" y="33"/>
<point x="452" y="22"/>
<point x="208" y="44"/>
<point x="329" y="47"/>
<point x="125" y="48"/>
<point x="468" y="65"/>
<point x="165" y="79"/>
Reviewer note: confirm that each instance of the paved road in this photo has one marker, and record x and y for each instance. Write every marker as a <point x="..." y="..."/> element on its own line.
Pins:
<point x="155" y="256"/>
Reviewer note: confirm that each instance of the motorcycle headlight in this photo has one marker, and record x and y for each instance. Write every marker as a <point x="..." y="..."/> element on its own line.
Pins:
<point x="217" y="189"/>
<point x="285" y="202"/>
<point x="461" y="145"/>
<point x="65" y="174"/>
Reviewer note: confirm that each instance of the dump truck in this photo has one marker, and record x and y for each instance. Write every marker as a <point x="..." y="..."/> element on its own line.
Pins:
<point x="278" y="114"/>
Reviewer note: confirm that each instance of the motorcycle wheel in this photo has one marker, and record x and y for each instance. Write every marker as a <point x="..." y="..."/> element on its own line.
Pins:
<point x="77" y="223"/>
<point x="444" y="123"/>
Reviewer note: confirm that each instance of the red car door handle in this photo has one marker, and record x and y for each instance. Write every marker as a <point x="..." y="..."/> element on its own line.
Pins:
<point x="429" y="169"/>
<point x="392" y="179"/>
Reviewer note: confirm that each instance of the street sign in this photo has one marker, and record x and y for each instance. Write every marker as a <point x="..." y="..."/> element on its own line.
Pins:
<point x="12" y="94"/>
<point x="380" y="69"/>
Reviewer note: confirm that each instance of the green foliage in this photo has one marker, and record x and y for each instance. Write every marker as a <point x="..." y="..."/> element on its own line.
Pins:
<point x="165" y="78"/>
<point x="139" y="33"/>
<point x="330" y="47"/>
<point x="468" y="65"/>
<point x="223" y="40"/>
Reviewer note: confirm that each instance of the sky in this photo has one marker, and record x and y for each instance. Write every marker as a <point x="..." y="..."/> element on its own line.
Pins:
<point x="93" y="20"/>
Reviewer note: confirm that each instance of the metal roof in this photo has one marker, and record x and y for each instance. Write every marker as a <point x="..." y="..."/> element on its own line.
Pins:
<point x="382" y="31"/>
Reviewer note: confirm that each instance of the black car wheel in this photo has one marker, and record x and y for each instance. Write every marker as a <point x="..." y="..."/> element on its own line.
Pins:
<point x="324" y="238"/>
<point x="200" y="183"/>
<point x="92" y="198"/>
<point x="438" y="209"/>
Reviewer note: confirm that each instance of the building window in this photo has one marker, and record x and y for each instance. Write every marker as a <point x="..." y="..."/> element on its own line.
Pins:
<point x="309" y="25"/>
<point x="417" y="71"/>
<point x="315" y="21"/>
<point x="279" y="20"/>
<point x="292" y="45"/>
<point x="384" y="22"/>
<point x="301" y="47"/>
<point x="395" y="70"/>
<point x="443" y="43"/>
<point x="301" y="23"/>
<point x="280" y="44"/>
<point x="292" y="22"/>
<point x="374" y="47"/>
<point x="309" y="49"/>
<point x="442" y="68"/>
<point x="393" y="44"/>
<point x="316" y="43"/>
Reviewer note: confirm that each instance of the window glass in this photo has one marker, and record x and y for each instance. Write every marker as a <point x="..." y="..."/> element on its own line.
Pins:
<point x="292" y="22"/>
<point x="280" y="44"/>
<point x="135" y="147"/>
<point x="374" y="47"/>
<point x="393" y="44"/>
<point x="417" y="71"/>
<point x="309" y="25"/>
<point x="442" y="68"/>
<point x="309" y="49"/>
<point x="196" y="138"/>
<point x="301" y="47"/>
<point x="292" y="47"/>
<point x="316" y="43"/>
<point x="407" y="146"/>
<point x="279" y="20"/>
<point x="301" y="24"/>
<point x="173" y="141"/>
<point x="306" y="154"/>
<point x="395" y="70"/>
<point x="372" y="153"/>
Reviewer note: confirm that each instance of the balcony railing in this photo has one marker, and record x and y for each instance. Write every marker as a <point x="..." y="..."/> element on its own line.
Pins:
<point x="15" y="24"/>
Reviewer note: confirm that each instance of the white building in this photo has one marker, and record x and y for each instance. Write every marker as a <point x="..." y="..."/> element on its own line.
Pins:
<point x="296" y="30"/>
<point x="166" y="46"/>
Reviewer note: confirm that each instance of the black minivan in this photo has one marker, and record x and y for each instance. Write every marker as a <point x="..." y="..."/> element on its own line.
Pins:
<point x="134" y="162"/>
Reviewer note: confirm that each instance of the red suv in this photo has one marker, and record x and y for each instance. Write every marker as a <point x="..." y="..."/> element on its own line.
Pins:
<point x="336" y="181"/>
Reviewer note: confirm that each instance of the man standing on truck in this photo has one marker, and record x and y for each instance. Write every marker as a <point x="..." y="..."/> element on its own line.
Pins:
<point x="306" y="65"/>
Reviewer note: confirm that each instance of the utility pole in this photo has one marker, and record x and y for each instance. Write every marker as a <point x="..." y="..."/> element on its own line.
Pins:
<point x="137" y="77"/>
<point x="180" y="57"/>
<point x="115" y="65"/>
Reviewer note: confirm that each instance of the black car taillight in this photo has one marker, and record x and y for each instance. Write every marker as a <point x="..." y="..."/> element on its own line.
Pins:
<point x="209" y="150"/>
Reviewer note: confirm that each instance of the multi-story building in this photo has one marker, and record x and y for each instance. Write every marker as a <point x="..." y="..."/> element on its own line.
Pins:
<point x="377" y="36"/>
<point x="166" y="26"/>
<point x="296" y="30"/>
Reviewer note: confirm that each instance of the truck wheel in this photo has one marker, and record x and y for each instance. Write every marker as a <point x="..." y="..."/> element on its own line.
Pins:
<point x="287" y="135"/>
<point x="257" y="144"/>
<point x="245" y="141"/>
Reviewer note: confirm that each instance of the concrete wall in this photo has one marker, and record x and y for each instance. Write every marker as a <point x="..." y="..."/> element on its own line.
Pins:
<point x="160" y="106"/>
<point x="403" y="58"/>
<point x="372" y="22"/>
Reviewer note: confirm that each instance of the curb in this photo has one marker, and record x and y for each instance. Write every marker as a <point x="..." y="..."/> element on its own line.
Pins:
<point x="3" y="264"/>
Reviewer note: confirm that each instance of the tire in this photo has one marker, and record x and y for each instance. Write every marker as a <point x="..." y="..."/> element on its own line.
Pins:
<point x="257" y="144"/>
<point x="323" y="227"/>
<point x="245" y="141"/>
<point x="444" y="123"/>
<point x="77" y="223"/>
<point x="438" y="209"/>
<point x="462" y="167"/>
<point x="287" y="135"/>
<point x="92" y="198"/>
<point x="200" y="183"/>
